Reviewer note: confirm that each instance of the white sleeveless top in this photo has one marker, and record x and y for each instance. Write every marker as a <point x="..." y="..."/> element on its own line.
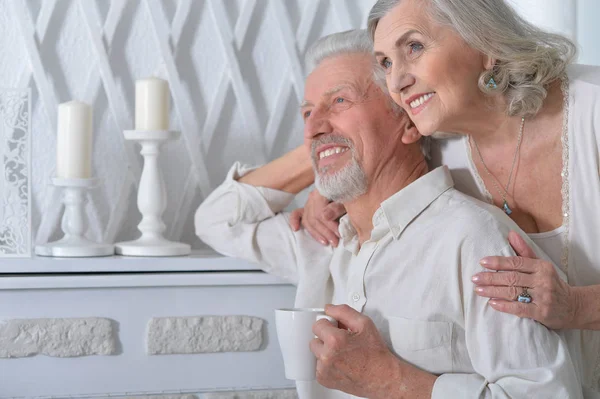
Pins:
<point x="575" y="246"/>
<point x="551" y="242"/>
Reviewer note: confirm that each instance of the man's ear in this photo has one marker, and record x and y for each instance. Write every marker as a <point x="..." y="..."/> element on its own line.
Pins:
<point x="411" y="133"/>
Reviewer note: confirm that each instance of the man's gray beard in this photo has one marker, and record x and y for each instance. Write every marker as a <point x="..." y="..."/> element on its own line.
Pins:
<point x="344" y="185"/>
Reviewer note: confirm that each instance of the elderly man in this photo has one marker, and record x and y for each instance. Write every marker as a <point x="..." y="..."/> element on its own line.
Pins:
<point x="410" y="325"/>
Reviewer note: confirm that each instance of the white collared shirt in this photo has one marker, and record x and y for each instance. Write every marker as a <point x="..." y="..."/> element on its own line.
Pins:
<point x="412" y="278"/>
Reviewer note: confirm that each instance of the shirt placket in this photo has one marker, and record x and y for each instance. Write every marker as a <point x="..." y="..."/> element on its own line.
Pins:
<point x="356" y="296"/>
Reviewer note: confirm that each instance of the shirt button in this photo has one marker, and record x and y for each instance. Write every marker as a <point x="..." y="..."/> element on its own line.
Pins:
<point x="356" y="297"/>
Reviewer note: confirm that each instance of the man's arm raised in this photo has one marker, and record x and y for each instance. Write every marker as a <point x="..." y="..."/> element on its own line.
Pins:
<point x="243" y="217"/>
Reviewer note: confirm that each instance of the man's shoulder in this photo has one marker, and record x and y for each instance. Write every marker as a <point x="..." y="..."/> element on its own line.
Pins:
<point x="463" y="205"/>
<point x="471" y="219"/>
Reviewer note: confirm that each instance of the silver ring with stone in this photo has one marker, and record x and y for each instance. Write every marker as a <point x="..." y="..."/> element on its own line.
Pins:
<point x="524" y="296"/>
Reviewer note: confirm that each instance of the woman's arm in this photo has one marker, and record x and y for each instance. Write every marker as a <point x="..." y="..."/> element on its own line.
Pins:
<point x="291" y="173"/>
<point x="320" y="218"/>
<point x="587" y="310"/>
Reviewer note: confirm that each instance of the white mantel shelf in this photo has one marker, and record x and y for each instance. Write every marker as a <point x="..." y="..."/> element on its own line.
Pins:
<point x="198" y="261"/>
<point x="124" y="280"/>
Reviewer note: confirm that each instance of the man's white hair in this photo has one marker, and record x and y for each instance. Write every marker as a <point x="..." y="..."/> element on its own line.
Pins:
<point x="348" y="42"/>
<point x="355" y="41"/>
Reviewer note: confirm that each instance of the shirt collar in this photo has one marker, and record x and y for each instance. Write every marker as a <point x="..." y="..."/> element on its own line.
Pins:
<point x="401" y="208"/>
<point x="404" y="206"/>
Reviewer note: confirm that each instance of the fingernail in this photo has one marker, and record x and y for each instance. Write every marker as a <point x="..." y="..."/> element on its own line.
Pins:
<point x="484" y="261"/>
<point x="324" y="242"/>
<point x="475" y="278"/>
<point x="493" y="302"/>
<point x="479" y="289"/>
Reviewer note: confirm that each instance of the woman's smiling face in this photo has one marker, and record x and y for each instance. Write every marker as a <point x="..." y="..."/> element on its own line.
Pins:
<point x="431" y="72"/>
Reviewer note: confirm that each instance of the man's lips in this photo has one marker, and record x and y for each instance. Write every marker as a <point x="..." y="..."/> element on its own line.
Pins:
<point x="328" y="154"/>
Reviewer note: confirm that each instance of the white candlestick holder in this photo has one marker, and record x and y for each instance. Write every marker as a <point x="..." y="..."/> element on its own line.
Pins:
<point x="152" y="200"/>
<point x="73" y="243"/>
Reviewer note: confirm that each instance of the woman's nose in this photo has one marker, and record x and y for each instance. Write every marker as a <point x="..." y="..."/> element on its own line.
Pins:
<point x="400" y="80"/>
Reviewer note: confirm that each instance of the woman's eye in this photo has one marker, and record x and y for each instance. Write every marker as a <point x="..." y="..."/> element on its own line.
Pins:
<point x="339" y="100"/>
<point x="306" y="114"/>
<point x="415" y="47"/>
<point x="386" y="63"/>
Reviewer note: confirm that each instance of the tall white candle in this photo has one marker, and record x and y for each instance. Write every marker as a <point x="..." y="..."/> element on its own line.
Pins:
<point x="74" y="141"/>
<point x="151" y="104"/>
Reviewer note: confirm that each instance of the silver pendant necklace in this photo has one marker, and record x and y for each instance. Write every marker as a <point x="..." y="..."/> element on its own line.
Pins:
<point x="495" y="181"/>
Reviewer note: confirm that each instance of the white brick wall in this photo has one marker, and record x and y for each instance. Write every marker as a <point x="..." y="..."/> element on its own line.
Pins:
<point x="276" y="394"/>
<point x="153" y="397"/>
<point x="204" y="334"/>
<point x="57" y="337"/>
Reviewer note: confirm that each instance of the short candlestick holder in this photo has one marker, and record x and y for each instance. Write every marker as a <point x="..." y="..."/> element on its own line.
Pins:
<point x="74" y="244"/>
<point x="152" y="200"/>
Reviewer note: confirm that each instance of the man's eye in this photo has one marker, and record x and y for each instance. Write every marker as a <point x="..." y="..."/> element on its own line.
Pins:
<point x="306" y="114"/>
<point x="339" y="100"/>
<point x="415" y="47"/>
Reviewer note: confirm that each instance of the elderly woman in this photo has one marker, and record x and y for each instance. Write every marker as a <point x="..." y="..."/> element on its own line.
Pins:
<point x="529" y="125"/>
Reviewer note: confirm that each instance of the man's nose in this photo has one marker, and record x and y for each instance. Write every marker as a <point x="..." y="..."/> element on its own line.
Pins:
<point x="316" y="124"/>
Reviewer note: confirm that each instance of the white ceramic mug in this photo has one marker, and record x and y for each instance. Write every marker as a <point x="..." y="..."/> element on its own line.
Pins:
<point x="294" y="331"/>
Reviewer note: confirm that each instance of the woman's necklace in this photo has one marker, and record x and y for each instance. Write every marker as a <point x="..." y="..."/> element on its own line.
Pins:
<point x="495" y="181"/>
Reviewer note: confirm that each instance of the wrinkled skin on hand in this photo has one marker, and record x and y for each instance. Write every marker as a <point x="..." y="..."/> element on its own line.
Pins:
<point x="554" y="302"/>
<point x="355" y="359"/>
<point x="320" y="218"/>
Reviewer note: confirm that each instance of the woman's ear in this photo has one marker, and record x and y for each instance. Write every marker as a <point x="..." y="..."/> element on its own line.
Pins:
<point x="411" y="133"/>
<point x="489" y="62"/>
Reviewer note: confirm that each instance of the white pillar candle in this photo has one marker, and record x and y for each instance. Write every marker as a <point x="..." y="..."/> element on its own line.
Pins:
<point x="151" y="104"/>
<point x="74" y="141"/>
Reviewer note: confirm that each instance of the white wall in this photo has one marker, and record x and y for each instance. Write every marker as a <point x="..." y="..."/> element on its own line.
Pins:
<point x="577" y="19"/>
<point x="236" y="76"/>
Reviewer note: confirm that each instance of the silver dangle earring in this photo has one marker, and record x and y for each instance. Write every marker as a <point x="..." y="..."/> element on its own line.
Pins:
<point x="491" y="84"/>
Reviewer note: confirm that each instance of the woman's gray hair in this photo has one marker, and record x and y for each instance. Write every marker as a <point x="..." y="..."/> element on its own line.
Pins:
<point x="528" y="59"/>
<point x="353" y="42"/>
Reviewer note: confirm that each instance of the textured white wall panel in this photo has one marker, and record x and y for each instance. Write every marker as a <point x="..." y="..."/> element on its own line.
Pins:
<point x="236" y="78"/>
<point x="236" y="74"/>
